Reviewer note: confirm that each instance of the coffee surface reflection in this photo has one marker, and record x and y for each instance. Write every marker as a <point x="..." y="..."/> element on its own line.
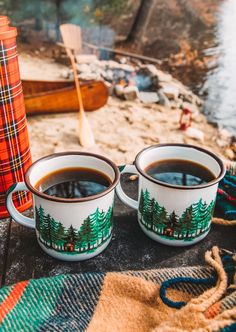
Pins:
<point x="74" y="183"/>
<point x="180" y="172"/>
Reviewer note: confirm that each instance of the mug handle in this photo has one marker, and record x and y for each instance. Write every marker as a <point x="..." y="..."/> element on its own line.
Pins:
<point x="17" y="216"/>
<point x="119" y="191"/>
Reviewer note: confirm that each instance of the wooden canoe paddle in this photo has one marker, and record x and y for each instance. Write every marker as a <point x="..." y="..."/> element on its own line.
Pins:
<point x="71" y="36"/>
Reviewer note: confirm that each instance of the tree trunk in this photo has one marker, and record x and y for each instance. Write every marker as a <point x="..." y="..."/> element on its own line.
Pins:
<point x="58" y="18"/>
<point x="142" y="19"/>
<point x="38" y="16"/>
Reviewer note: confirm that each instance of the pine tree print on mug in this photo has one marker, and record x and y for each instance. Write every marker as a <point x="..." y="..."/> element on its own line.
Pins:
<point x="193" y="222"/>
<point x="72" y="222"/>
<point x="95" y="231"/>
<point x="177" y="191"/>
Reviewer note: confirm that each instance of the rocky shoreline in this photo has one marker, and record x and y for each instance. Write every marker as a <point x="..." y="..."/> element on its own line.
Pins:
<point x="123" y="127"/>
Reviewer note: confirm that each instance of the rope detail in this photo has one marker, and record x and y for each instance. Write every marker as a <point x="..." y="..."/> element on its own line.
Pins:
<point x="211" y="301"/>
<point x="220" y="221"/>
<point x="208" y="298"/>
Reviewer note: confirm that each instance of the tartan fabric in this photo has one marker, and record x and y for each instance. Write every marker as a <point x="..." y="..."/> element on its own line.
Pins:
<point x="15" y="157"/>
<point x="69" y="302"/>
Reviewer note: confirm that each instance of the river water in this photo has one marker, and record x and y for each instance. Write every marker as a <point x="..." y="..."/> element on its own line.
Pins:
<point x="220" y="84"/>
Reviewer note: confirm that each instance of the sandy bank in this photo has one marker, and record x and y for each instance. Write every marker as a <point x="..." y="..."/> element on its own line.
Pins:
<point x="121" y="128"/>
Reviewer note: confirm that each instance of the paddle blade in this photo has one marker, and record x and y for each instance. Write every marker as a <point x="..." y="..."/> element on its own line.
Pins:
<point x="71" y="36"/>
<point x="85" y="132"/>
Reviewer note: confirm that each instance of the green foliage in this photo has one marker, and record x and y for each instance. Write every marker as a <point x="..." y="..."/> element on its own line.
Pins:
<point x="47" y="15"/>
<point x="109" y="8"/>
<point x="194" y="221"/>
<point x="94" y="231"/>
<point x="21" y="10"/>
<point x="89" y="12"/>
<point x="82" y="12"/>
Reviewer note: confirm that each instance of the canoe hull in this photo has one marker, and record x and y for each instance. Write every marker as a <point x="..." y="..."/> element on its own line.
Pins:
<point x="61" y="96"/>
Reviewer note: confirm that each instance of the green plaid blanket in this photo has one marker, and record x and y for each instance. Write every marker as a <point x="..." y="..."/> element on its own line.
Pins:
<point x="124" y="301"/>
<point x="226" y="197"/>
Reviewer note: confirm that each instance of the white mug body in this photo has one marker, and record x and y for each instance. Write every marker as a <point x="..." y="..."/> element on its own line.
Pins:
<point x="172" y="214"/>
<point x="70" y="229"/>
<point x="165" y="214"/>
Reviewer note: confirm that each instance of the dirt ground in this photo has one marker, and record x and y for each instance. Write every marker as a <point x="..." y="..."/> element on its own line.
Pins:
<point x="121" y="129"/>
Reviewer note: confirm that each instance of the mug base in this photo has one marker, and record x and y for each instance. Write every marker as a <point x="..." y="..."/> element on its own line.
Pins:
<point x="73" y="257"/>
<point x="173" y="243"/>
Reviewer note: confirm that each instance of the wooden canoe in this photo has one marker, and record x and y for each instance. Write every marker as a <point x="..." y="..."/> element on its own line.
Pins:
<point x="60" y="96"/>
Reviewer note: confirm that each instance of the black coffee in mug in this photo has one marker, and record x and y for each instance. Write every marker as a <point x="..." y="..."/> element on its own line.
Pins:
<point x="180" y="172"/>
<point x="73" y="183"/>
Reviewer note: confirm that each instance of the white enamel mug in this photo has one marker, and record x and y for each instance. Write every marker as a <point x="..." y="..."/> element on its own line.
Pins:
<point x="69" y="229"/>
<point x="172" y="214"/>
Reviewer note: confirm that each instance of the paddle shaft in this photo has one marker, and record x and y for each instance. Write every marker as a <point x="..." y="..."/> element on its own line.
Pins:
<point x="76" y="79"/>
<point x="85" y="134"/>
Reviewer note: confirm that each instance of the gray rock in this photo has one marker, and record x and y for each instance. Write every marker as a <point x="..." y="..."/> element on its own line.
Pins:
<point x="109" y="75"/>
<point x="171" y="91"/>
<point x="149" y="97"/>
<point x="194" y="133"/>
<point x="163" y="100"/>
<point x="83" y="68"/>
<point x="149" y="69"/>
<point x="164" y="77"/>
<point x="130" y="92"/>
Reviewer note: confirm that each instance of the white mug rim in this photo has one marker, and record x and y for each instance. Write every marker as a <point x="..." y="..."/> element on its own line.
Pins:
<point x="168" y="185"/>
<point x="40" y="194"/>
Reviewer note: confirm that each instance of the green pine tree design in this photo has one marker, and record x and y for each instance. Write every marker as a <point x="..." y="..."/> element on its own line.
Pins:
<point x="185" y="222"/>
<point x="61" y="236"/>
<point x="47" y="230"/>
<point x="87" y="234"/>
<point x="150" y="213"/>
<point x="173" y="224"/>
<point x="108" y="222"/>
<point x="97" y="222"/>
<point x="145" y="208"/>
<point x="53" y="231"/>
<point x="141" y="202"/>
<point x="40" y="217"/>
<point x="100" y="223"/>
<point x="160" y="219"/>
<point x="207" y="214"/>
<point x="194" y="221"/>
<point x="71" y="239"/>
<point x="94" y="231"/>
<point x="196" y="216"/>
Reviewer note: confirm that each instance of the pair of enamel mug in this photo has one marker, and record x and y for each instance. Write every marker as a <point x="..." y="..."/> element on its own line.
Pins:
<point x="81" y="228"/>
